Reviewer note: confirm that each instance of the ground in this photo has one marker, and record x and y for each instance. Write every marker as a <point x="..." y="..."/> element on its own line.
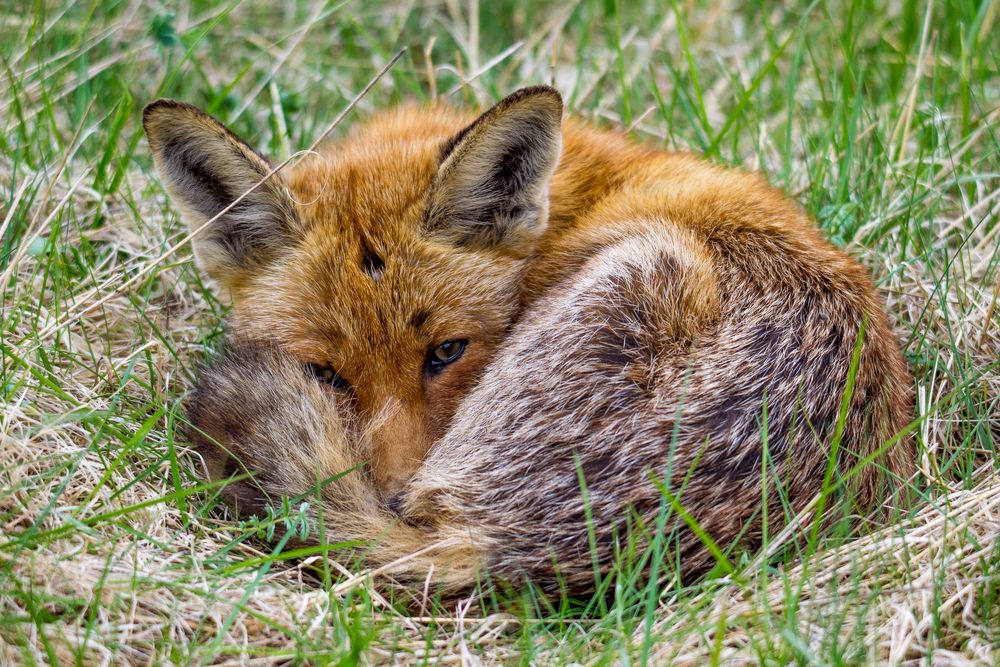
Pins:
<point x="881" y="118"/>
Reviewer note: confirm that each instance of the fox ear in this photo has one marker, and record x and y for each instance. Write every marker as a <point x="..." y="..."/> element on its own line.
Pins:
<point x="205" y="168"/>
<point x="492" y="188"/>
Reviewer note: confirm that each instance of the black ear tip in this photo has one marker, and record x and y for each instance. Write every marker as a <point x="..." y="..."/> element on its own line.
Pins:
<point x="538" y="100"/>
<point x="156" y="106"/>
<point x="165" y="107"/>
<point x="538" y="93"/>
<point x="541" y="89"/>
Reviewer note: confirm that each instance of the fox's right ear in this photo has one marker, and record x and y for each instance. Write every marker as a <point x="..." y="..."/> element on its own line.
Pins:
<point x="205" y="168"/>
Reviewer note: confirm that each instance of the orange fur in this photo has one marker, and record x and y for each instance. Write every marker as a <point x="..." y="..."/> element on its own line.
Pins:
<point x="623" y="295"/>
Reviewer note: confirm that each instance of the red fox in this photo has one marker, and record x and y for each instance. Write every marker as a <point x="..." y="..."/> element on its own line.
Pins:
<point x="520" y="334"/>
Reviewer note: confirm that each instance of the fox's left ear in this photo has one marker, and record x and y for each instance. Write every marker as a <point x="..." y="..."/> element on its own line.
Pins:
<point x="492" y="188"/>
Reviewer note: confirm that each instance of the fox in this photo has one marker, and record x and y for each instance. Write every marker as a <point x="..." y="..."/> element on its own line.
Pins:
<point x="491" y="346"/>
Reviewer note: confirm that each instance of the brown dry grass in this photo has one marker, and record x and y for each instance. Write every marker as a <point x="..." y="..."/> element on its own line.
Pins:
<point x="110" y="554"/>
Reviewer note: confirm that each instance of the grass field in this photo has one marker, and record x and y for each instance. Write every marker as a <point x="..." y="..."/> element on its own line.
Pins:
<point x="881" y="118"/>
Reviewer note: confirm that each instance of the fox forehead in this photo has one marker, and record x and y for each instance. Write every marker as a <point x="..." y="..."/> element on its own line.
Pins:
<point x="363" y="194"/>
<point x="376" y="175"/>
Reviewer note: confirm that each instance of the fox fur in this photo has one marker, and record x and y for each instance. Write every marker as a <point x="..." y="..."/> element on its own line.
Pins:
<point x="634" y="319"/>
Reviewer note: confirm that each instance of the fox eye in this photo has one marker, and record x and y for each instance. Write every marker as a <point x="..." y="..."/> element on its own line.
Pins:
<point x="326" y="375"/>
<point x="446" y="353"/>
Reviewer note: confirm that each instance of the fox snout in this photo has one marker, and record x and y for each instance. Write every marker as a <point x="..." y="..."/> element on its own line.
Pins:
<point x="399" y="440"/>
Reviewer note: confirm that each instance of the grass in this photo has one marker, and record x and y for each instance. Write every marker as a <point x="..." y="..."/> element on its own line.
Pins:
<point x="880" y="118"/>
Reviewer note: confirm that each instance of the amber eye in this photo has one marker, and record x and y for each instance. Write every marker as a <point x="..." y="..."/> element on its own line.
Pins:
<point x="446" y="353"/>
<point x="326" y="375"/>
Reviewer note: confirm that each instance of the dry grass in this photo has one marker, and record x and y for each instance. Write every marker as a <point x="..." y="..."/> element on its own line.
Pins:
<point x="881" y="120"/>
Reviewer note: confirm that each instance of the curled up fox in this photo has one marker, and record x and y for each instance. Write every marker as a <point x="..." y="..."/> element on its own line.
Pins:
<point x="506" y="344"/>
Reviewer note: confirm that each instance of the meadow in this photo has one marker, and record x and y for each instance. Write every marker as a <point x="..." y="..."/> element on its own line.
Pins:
<point x="881" y="118"/>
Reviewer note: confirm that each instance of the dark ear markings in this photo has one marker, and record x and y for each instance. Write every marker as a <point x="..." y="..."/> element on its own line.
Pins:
<point x="151" y="109"/>
<point x="216" y="194"/>
<point x="450" y="144"/>
<point x="207" y="169"/>
<point x="517" y="95"/>
<point x="492" y="185"/>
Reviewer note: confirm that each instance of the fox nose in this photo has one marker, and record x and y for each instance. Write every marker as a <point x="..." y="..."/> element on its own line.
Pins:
<point x="399" y="443"/>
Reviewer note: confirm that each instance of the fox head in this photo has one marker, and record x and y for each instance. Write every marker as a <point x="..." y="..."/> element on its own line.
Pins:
<point x="389" y="265"/>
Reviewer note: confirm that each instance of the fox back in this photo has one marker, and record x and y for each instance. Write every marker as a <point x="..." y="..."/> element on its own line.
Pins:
<point x="516" y="325"/>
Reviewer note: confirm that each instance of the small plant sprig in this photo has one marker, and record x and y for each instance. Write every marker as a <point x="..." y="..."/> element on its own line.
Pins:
<point x="293" y="519"/>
